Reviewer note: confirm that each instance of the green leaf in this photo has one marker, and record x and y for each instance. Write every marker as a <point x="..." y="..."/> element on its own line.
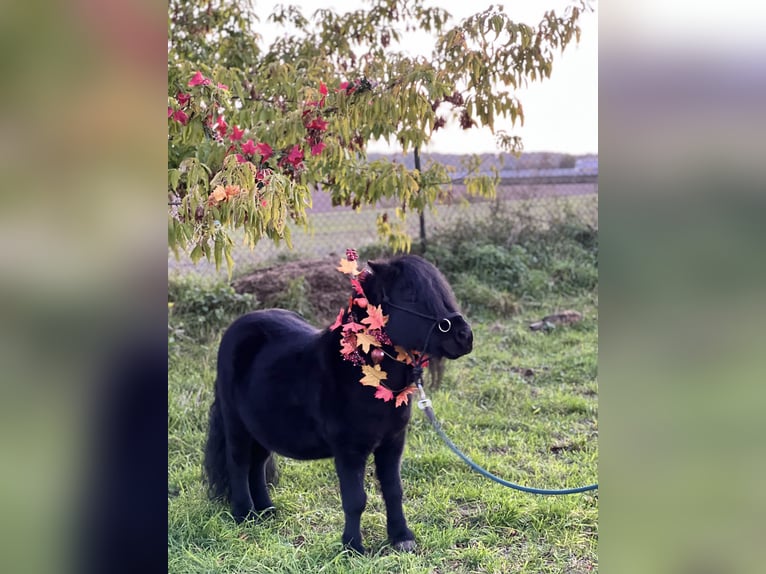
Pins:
<point x="196" y="253"/>
<point x="174" y="176"/>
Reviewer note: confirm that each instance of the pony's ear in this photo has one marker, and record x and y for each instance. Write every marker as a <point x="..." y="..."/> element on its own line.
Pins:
<point x="382" y="275"/>
<point x="383" y="269"/>
<point x="377" y="267"/>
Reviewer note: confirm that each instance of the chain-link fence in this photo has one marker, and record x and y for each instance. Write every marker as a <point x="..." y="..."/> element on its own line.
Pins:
<point x="537" y="191"/>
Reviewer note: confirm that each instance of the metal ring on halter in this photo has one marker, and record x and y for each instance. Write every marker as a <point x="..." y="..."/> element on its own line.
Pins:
<point x="447" y="328"/>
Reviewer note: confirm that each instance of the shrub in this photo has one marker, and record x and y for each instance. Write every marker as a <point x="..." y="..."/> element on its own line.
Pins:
<point x="507" y="253"/>
<point x="478" y="298"/>
<point x="200" y="309"/>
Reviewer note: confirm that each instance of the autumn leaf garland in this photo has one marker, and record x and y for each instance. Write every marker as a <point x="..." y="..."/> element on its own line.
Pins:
<point x="369" y="335"/>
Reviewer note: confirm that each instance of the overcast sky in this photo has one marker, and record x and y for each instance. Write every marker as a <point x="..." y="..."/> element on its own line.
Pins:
<point x="561" y="114"/>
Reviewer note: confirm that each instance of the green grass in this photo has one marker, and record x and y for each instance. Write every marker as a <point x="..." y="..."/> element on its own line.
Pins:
<point x="539" y="431"/>
<point x="523" y="405"/>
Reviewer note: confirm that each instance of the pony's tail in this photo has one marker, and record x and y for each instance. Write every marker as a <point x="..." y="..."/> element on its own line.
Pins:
<point x="272" y="470"/>
<point x="215" y="455"/>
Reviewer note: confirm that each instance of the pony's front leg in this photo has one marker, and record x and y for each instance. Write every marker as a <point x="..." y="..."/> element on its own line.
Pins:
<point x="350" y="469"/>
<point x="388" y="457"/>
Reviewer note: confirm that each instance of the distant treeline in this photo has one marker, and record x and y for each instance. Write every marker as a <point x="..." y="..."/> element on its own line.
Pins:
<point x="501" y="161"/>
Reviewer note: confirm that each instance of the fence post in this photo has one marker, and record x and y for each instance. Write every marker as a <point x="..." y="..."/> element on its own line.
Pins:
<point x="422" y="214"/>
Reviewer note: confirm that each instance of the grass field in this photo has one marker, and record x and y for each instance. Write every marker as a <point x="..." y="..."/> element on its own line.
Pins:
<point x="540" y="430"/>
<point x="523" y="404"/>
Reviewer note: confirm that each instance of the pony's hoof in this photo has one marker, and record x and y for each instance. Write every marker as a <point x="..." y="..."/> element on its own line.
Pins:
<point x="265" y="514"/>
<point x="255" y="515"/>
<point x="405" y="546"/>
<point x="355" y="547"/>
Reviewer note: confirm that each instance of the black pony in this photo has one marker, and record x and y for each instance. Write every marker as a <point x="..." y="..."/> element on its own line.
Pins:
<point x="285" y="387"/>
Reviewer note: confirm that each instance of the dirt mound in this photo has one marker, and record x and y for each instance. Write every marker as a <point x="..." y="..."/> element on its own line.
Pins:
<point x="327" y="290"/>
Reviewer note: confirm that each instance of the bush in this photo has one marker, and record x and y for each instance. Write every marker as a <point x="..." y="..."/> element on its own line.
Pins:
<point x="477" y="297"/>
<point x="198" y="309"/>
<point x="518" y="260"/>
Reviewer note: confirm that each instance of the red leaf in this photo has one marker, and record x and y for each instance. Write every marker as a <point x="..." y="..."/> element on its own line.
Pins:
<point x="317" y="149"/>
<point x="264" y="150"/>
<point x="181" y="117"/>
<point x="353" y="327"/>
<point x="236" y="134"/>
<point x="348" y="344"/>
<point x="403" y="397"/>
<point x="248" y="147"/>
<point x="199" y="79"/>
<point x="317" y="124"/>
<point x="384" y="393"/>
<point x="221" y="126"/>
<point x="338" y="320"/>
<point x="182" y="98"/>
<point x="357" y="286"/>
<point x="361" y="302"/>
<point x="295" y="157"/>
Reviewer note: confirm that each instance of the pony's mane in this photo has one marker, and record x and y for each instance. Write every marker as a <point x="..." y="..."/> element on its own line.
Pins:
<point x="427" y="281"/>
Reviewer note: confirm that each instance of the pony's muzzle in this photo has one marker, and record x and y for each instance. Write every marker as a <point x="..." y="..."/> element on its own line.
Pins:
<point x="464" y="337"/>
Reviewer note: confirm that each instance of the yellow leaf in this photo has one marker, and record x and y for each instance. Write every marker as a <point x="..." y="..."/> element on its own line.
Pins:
<point x="365" y="340"/>
<point x="348" y="267"/>
<point x="373" y="375"/>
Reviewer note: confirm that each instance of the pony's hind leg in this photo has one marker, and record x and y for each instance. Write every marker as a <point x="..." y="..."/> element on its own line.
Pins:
<point x="259" y="491"/>
<point x="239" y="448"/>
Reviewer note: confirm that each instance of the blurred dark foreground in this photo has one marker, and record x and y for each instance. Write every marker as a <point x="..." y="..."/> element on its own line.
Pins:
<point x="82" y="288"/>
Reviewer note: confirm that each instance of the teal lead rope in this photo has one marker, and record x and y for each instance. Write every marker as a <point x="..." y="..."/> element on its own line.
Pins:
<point x="424" y="404"/>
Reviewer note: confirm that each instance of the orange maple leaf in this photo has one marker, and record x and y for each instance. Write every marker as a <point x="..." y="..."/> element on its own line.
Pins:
<point x="218" y="194"/>
<point x="373" y="375"/>
<point x="384" y="393"/>
<point x="403" y="397"/>
<point x="365" y="340"/>
<point x="375" y="317"/>
<point x="231" y="190"/>
<point x="348" y="344"/>
<point x="361" y="302"/>
<point x="348" y="267"/>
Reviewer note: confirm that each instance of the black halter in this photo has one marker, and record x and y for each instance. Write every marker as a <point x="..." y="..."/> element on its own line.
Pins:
<point x="444" y="324"/>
